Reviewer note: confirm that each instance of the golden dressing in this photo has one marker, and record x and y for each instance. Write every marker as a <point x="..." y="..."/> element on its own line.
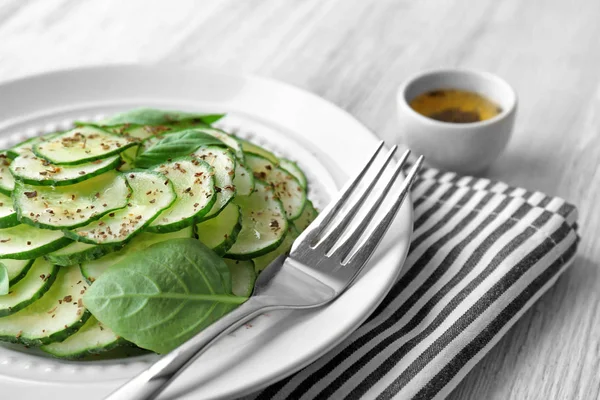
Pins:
<point x="456" y="106"/>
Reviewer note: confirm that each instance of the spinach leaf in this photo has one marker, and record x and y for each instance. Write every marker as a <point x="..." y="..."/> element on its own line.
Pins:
<point x="176" y="144"/>
<point x="151" y="116"/>
<point x="161" y="297"/>
<point x="3" y="279"/>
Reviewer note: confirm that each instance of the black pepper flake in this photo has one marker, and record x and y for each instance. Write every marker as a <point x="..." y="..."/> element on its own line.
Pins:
<point x="30" y="195"/>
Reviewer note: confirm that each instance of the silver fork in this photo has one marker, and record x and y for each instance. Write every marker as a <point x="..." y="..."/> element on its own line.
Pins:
<point x="317" y="270"/>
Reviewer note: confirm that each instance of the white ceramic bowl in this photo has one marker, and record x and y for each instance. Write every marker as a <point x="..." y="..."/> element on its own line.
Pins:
<point x="467" y="148"/>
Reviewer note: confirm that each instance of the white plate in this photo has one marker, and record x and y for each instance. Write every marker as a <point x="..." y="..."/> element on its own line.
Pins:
<point x="327" y="142"/>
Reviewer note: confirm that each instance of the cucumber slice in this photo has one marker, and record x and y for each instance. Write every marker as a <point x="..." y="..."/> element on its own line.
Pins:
<point x="230" y="141"/>
<point x="222" y="162"/>
<point x="296" y="227"/>
<point x="124" y="351"/>
<point x="8" y="216"/>
<point x="251" y="148"/>
<point x="264" y="224"/>
<point x="7" y="182"/>
<point x="36" y="171"/>
<point x="118" y="129"/>
<point x="24" y="242"/>
<point x="91" y="338"/>
<point x="82" y="145"/>
<point x="220" y="233"/>
<point x="26" y="147"/>
<point x="308" y="215"/>
<point x="152" y="192"/>
<point x="130" y="130"/>
<point x="68" y="207"/>
<point x="17" y="269"/>
<point x="91" y="270"/>
<point x="286" y="186"/>
<point x="142" y="132"/>
<point x="36" y="282"/>
<point x="263" y="261"/>
<point x="128" y="159"/>
<point x="55" y="316"/>
<point x="195" y="189"/>
<point x="243" y="180"/>
<point x="294" y="169"/>
<point x="243" y="277"/>
<point x="77" y="252"/>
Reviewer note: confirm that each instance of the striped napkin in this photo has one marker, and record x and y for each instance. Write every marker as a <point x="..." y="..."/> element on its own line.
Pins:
<point x="482" y="253"/>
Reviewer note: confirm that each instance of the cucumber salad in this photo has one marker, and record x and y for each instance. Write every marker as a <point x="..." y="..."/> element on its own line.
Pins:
<point x="135" y="233"/>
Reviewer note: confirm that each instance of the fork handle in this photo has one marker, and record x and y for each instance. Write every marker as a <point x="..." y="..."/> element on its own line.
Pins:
<point x="151" y="382"/>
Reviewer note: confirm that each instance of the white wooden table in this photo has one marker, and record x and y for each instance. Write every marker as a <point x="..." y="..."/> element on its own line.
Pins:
<point x="355" y="53"/>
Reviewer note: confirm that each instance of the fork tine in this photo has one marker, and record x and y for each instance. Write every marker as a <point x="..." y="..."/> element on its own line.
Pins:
<point x="365" y="251"/>
<point x="333" y="236"/>
<point x="321" y="222"/>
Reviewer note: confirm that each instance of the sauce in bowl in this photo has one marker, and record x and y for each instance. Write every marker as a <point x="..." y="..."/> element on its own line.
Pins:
<point x="455" y="106"/>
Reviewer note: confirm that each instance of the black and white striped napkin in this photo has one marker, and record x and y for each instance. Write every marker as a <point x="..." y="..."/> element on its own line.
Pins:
<point x="482" y="253"/>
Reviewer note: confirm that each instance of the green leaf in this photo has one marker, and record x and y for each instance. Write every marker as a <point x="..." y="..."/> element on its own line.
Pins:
<point x="3" y="279"/>
<point x="163" y="296"/>
<point x="177" y="144"/>
<point x="151" y="116"/>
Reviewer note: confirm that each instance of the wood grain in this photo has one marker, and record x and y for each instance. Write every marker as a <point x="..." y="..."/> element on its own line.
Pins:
<point x="355" y="53"/>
